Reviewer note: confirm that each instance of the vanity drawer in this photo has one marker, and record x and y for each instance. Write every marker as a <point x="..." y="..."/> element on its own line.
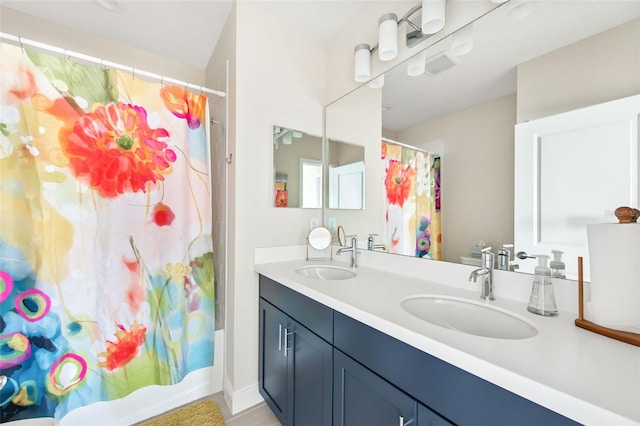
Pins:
<point x="313" y="315"/>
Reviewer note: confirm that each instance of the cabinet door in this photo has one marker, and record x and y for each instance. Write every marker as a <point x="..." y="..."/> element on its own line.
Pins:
<point x="426" y="417"/>
<point x="273" y="364"/>
<point x="310" y="378"/>
<point x="363" y="398"/>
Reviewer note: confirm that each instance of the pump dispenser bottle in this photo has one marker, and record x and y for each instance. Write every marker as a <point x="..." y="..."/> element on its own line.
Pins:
<point x="542" y="300"/>
<point x="557" y="265"/>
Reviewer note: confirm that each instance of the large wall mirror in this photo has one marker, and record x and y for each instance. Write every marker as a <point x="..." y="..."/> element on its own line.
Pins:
<point x="520" y="64"/>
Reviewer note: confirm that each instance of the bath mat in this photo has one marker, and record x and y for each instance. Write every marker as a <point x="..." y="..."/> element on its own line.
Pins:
<point x="198" y="413"/>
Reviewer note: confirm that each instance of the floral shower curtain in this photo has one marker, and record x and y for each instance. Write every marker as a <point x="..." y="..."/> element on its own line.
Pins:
<point x="412" y="204"/>
<point x="106" y="260"/>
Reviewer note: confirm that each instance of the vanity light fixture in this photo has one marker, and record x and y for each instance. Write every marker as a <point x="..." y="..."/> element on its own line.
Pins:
<point x="433" y="13"/>
<point x="416" y="64"/>
<point x="286" y="138"/>
<point x="519" y="9"/>
<point x="285" y="134"/>
<point x="377" y="82"/>
<point x="388" y="37"/>
<point x="462" y="41"/>
<point x="362" y="63"/>
<point x="432" y="20"/>
<point x="116" y="6"/>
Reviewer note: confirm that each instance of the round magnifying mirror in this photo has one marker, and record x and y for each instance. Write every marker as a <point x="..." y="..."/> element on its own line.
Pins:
<point x="319" y="238"/>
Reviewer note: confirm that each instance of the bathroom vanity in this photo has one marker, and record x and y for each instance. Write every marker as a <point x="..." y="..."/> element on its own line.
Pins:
<point x="344" y="352"/>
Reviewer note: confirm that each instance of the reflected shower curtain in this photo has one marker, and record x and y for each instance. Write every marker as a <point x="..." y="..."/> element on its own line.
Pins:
<point x="106" y="260"/>
<point x="412" y="203"/>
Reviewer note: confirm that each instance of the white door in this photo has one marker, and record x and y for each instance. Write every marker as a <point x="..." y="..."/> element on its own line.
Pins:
<point x="346" y="186"/>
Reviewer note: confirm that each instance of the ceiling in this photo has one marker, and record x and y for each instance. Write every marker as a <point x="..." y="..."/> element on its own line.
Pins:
<point x="186" y="31"/>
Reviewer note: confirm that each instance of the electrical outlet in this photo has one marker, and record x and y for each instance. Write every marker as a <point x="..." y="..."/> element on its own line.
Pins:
<point x="314" y="222"/>
<point x="332" y="225"/>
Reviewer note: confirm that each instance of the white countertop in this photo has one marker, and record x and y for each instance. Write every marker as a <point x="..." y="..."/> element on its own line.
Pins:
<point x="587" y="377"/>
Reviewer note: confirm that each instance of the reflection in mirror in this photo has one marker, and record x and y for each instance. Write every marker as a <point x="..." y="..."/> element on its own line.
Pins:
<point x="411" y="225"/>
<point x="346" y="176"/>
<point x="465" y="106"/>
<point x="297" y="165"/>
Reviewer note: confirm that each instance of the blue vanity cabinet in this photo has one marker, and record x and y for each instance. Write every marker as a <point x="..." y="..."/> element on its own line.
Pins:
<point x="295" y="370"/>
<point x="452" y="393"/>
<point x="273" y="364"/>
<point x="361" y="397"/>
<point x="341" y="372"/>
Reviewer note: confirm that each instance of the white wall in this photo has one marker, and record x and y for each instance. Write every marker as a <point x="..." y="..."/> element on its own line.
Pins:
<point x="279" y="79"/>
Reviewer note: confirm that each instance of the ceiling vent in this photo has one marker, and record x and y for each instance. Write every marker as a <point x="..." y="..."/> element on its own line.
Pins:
<point x="440" y="62"/>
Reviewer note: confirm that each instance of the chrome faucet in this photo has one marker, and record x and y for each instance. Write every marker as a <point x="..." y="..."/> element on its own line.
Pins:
<point x="372" y="246"/>
<point x="353" y="249"/>
<point x="486" y="273"/>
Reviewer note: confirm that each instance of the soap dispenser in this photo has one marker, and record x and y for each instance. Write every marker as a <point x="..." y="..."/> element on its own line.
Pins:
<point x="542" y="300"/>
<point x="557" y="265"/>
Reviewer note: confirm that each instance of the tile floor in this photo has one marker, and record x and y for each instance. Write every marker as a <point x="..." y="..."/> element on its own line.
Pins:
<point x="259" y="415"/>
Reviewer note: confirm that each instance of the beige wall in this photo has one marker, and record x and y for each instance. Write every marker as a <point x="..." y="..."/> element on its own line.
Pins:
<point x="577" y="76"/>
<point x="476" y="147"/>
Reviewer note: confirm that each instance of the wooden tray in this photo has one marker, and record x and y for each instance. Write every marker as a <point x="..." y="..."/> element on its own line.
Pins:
<point x="623" y="336"/>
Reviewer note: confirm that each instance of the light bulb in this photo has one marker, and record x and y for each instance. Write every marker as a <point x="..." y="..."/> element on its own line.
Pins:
<point x="377" y="82"/>
<point x="416" y="64"/>
<point x="433" y="12"/>
<point x="362" y="63"/>
<point x="388" y="37"/>
<point x="462" y="41"/>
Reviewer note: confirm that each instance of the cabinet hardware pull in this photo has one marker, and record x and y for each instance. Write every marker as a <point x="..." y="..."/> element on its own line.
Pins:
<point x="400" y="420"/>
<point x="287" y="333"/>
<point x="279" y="337"/>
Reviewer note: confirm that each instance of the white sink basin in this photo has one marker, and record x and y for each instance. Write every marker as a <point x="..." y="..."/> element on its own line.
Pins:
<point x="326" y="272"/>
<point x="467" y="316"/>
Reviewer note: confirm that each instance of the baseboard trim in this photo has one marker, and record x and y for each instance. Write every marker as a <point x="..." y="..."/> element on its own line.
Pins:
<point x="242" y="399"/>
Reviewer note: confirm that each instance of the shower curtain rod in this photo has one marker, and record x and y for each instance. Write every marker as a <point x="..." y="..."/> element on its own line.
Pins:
<point x="407" y="146"/>
<point x="134" y="71"/>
